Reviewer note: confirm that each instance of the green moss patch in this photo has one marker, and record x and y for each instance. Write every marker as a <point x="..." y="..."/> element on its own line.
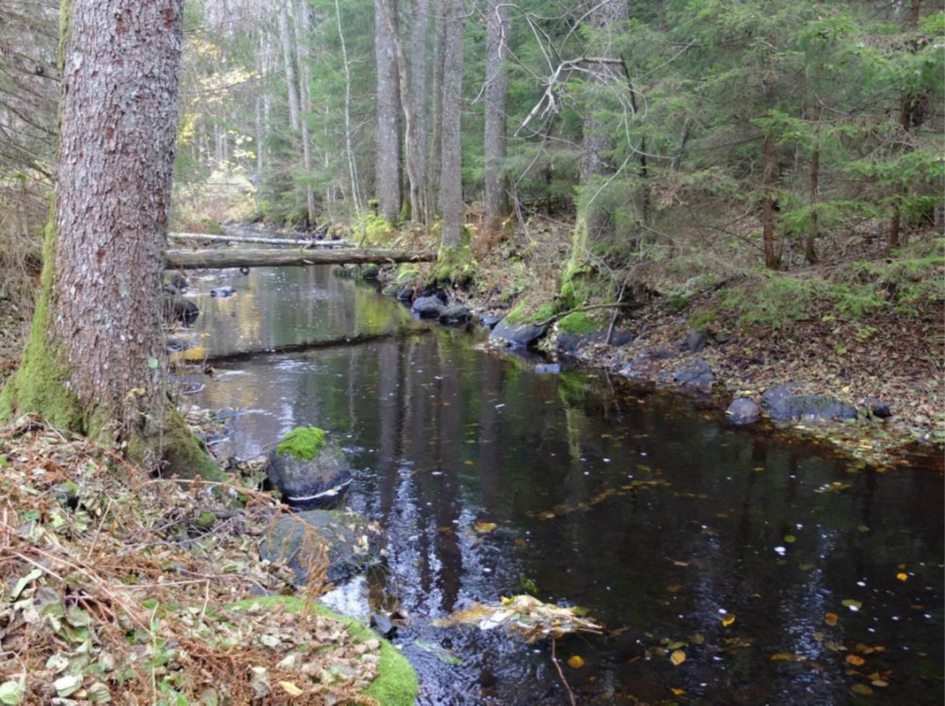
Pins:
<point x="396" y="683"/>
<point x="578" y="322"/>
<point x="303" y="442"/>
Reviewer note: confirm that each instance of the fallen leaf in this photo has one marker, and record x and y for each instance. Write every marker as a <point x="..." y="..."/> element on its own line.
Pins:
<point x="575" y="662"/>
<point x="881" y="683"/>
<point x="728" y="620"/>
<point x="831" y="619"/>
<point x="856" y="660"/>
<point x="484" y="527"/>
<point x="790" y="538"/>
<point x="852" y="604"/>
<point x="677" y="657"/>
<point x="786" y="657"/>
<point x="678" y="692"/>
<point x="902" y="576"/>
<point x="290" y="688"/>
<point x="861" y="689"/>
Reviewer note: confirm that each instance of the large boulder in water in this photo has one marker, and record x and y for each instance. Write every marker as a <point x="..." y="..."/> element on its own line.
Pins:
<point x="785" y="405"/>
<point x="743" y="411"/>
<point x="518" y="335"/>
<point x="179" y="310"/>
<point x="427" y="307"/>
<point x="455" y="314"/>
<point x="309" y="470"/>
<point x="349" y="540"/>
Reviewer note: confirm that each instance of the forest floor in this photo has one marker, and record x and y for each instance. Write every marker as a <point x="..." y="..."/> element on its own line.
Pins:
<point x="120" y="585"/>
<point x="14" y="327"/>
<point x="761" y="330"/>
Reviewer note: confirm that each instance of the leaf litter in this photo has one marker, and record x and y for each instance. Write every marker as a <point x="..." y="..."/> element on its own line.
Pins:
<point x="117" y="585"/>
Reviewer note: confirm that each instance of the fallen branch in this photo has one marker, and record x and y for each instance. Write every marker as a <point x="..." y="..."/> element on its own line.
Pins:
<point x="260" y="239"/>
<point x="562" y="314"/>
<point x="217" y="259"/>
<point x="554" y="659"/>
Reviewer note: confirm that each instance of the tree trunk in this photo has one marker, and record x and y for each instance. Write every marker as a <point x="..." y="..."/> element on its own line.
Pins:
<point x="451" y="186"/>
<point x="810" y="248"/>
<point x="302" y="30"/>
<point x="496" y="97"/>
<point x="770" y="166"/>
<point x="349" y="150"/>
<point x="436" y="159"/>
<point x="93" y="361"/>
<point x="291" y="86"/>
<point x="419" y="139"/>
<point x="595" y="221"/>
<point x="387" y="136"/>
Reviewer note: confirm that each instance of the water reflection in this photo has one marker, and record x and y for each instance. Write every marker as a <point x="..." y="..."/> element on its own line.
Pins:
<point x="671" y="528"/>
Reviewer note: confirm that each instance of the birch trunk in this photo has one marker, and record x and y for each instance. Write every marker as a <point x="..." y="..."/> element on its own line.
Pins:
<point x="302" y="30"/>
<point x="496" y="97"/>
<point x="387" y="136"/>
<point x="92" y="363"/>
<point x="451" y="184"/>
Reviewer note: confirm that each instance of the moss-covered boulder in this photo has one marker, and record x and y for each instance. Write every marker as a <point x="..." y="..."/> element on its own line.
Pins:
<point x="309" y="469"/>
<point x="396" y="683"/>
<point x="351" y="542"/>
<point x="515" y="335"/>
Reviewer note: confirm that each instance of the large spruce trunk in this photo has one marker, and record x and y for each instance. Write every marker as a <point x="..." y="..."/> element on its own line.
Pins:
<point x="387" y="136"/>
<point x="94" y="360"/>
<point x="451" y="184"/>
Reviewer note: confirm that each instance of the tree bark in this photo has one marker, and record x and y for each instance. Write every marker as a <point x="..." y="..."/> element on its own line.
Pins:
<point x="451" y="186"/>
<point x="387" y="136"/>
<point x="419" y="139"/>
<point x="496" y="97"/>
<point x="291" y="86"/>
<point x="92" y="363"/>
<point x="436" y="158"/>
<point x="770" y="181"/>
<point x="349" y="150"/>
<point x="302" y="30"/>
<point x="184" y="260"/>
<point x="597" y="220"/>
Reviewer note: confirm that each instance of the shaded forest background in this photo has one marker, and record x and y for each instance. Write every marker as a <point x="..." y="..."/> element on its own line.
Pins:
<point x="667" y="147"/>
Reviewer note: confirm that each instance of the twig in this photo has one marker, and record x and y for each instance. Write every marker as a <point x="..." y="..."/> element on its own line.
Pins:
<point x="564" y="681"/>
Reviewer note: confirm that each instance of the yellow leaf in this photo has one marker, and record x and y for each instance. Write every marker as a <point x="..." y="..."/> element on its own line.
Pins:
<point x="831" y="619"/>
<point x="861" y="689"/>
<point x="856" y="660"/>
<point x="785" y="657"/>
<point x="902" y="576"/>
<point x="575" y="662"/>
<point x="484" y="527"/>
<point x="881" y="683"/>
<point x="290" y="688"/>
<point x="728" y="620"/>
<point x="677" y="658"/>
<point x="678" y="692"/>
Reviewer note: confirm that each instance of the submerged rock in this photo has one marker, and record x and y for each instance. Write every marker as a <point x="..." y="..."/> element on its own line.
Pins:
<point x="744" y="411"/>
<point x="695" y="372"/>
<point x="176" y="284"/>
<point x="427" y="307"/>
<point x="180" y="310"/>
<point x="222" y="292"/>
<point x="784" y="405"/>
<point x="548" y="368"/>
<point x="455" y="314"/>
<point x="352" y="544"/>
<point x="308" y="469"/>
<point x="518" y="336"/>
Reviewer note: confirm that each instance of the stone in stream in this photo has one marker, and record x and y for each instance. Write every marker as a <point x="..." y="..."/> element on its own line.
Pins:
<point x="518" y="336"/>
<point x="695" y="372"/>
<point x="180" y="310"/>
<point x="784" y="405"/>
<point x="308" y="469"/>
<point x="455" y="314"/>
<point x="350" y="541"/>
<point x="222" y="292"/>
<point x="743" y="411"/>
<point x="490" y="321"/>
<point x="176" y="284"/>
<point x="427" y="307"/>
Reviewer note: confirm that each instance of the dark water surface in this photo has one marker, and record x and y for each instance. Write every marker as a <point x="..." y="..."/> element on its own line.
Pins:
<point x="727" y="524"/>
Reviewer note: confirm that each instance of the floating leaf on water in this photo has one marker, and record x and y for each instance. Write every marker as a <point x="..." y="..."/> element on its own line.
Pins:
<point x="881" y="683"/>
<point x="852" y="604"/>
<point x="861" y="689"/>
<point x="525" y="616"/>
<point x="677" y="657"/>
<point x="902" y="576"/>
<point x="790" y="539"/>
<point x="831" y="619"/>
<point x="855" y="660"/>
<point x="728" y="620"/>
<point x="484" y="527"/>
<point x="575" y="661"/>
<point x="678" y="692"/>
<point x="697" y="639"/>
<point x="786" y="657"/>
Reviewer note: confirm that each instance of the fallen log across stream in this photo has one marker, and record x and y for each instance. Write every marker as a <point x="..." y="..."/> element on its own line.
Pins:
<point x="302" y="243"/>
<point x="182" y="358"/>
<point x="216" y="259"/>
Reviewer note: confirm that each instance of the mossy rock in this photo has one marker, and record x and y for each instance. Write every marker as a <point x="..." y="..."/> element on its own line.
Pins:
<point x="396" y="683"/>
<point x="308" y="469"/>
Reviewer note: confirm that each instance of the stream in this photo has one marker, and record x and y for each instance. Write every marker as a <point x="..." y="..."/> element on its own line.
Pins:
<point x="783" y="573"/>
